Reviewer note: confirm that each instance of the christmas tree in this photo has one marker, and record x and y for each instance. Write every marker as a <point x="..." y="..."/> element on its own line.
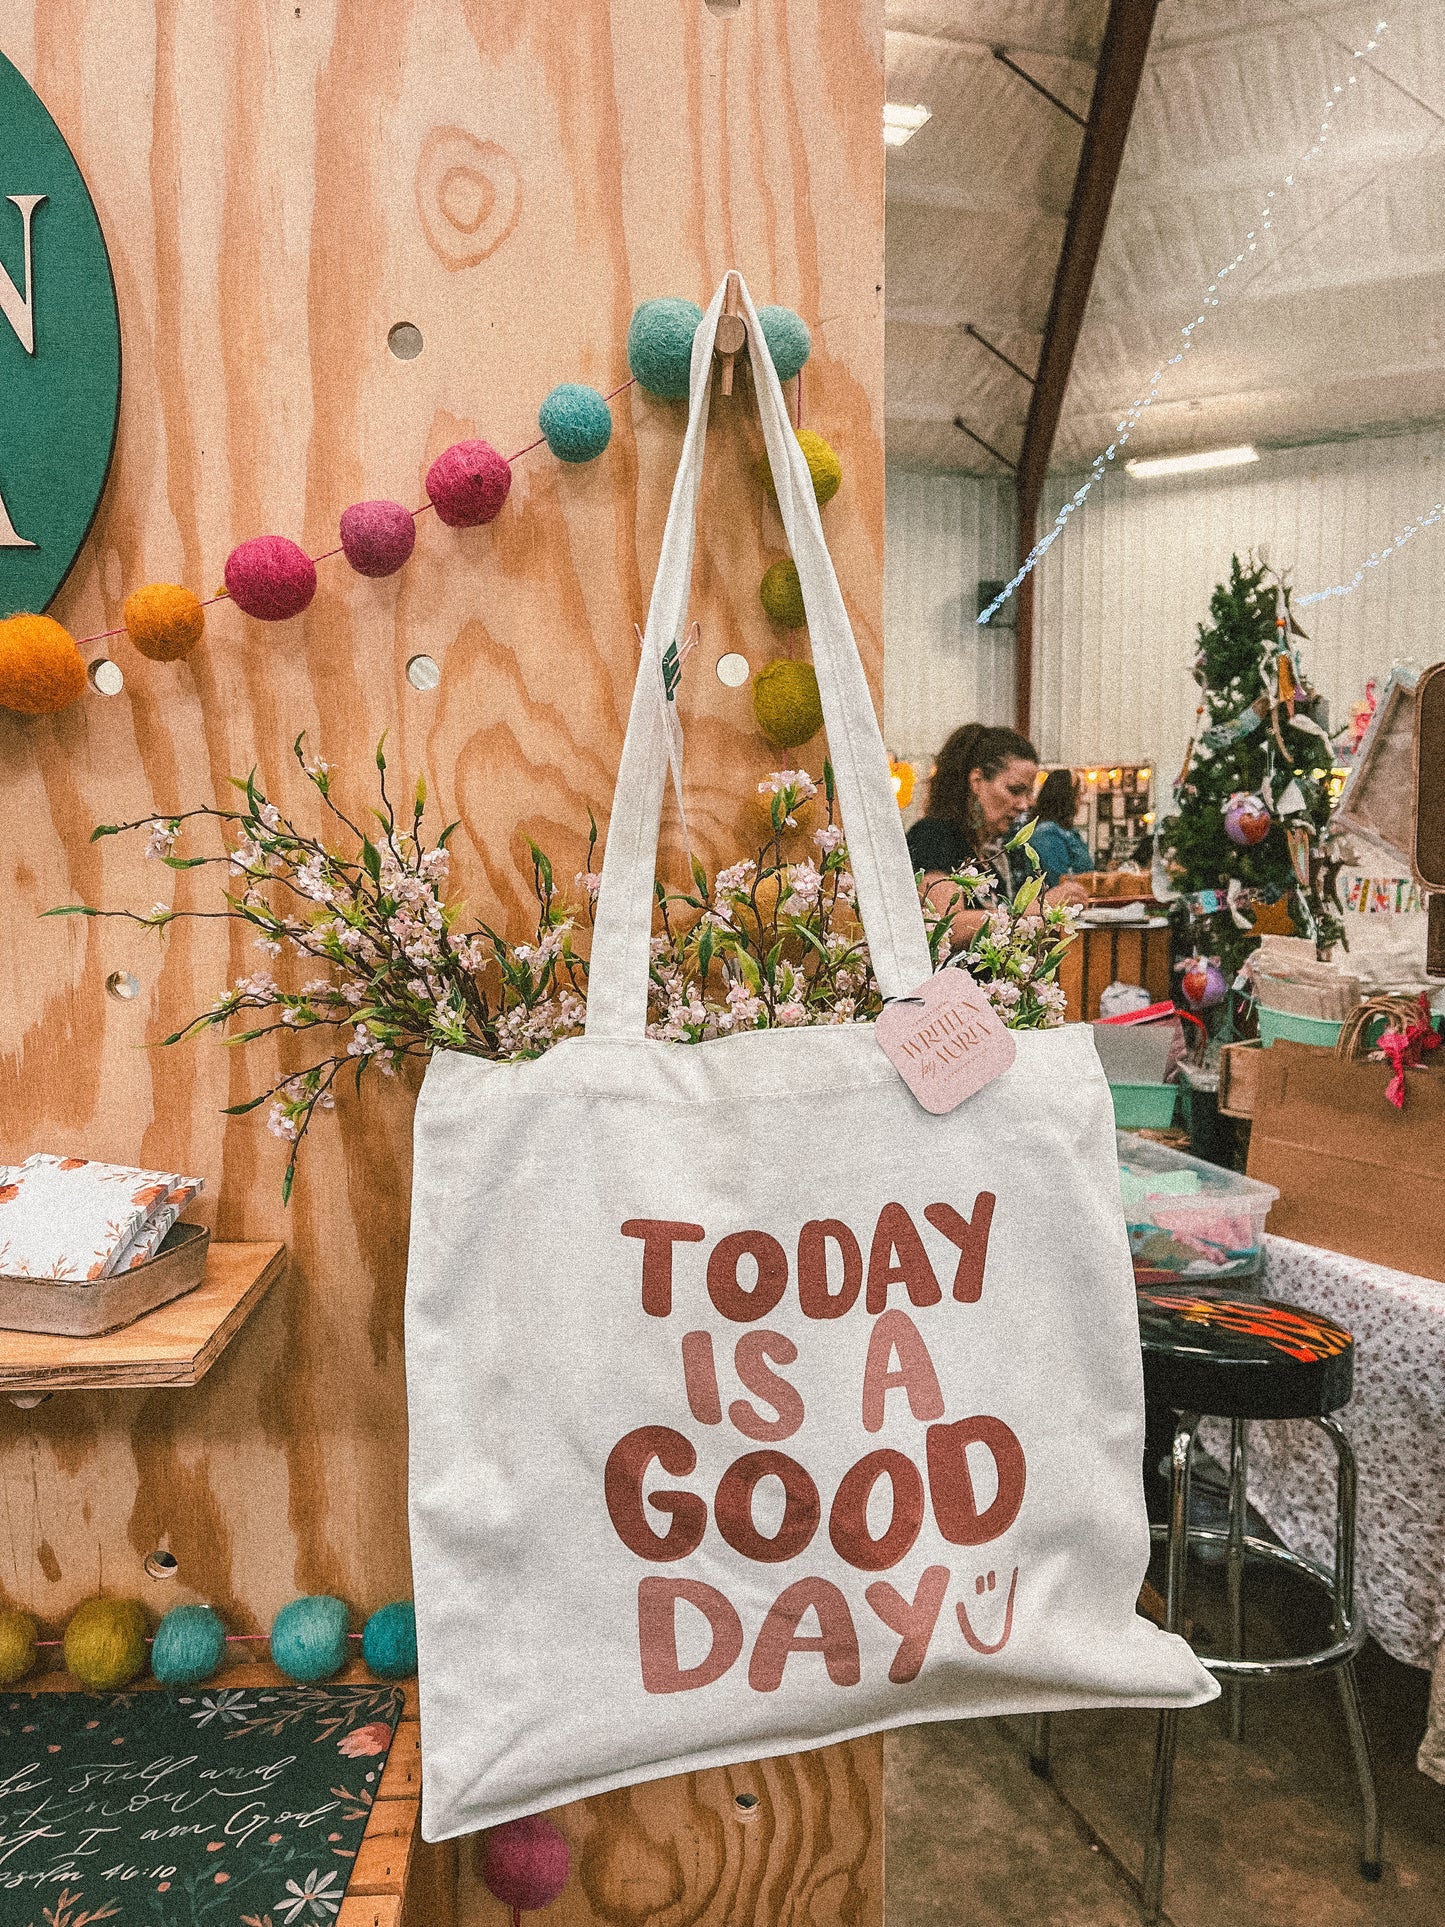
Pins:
<point x="1245" y="844"/>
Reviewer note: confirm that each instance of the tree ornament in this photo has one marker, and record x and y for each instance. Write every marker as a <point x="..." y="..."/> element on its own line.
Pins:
<point x="388" y="1641"/>
<point x="468" y="483"/>
<point x="377" y="537"/>
<point x="105" y="1643"/>
<point x="41" y="670"/>
<point x="308" y="1638"/>
<point x="788" y="340"/>
<point x="823" y="465"/>
<point x="18" y="1637"/>
<point x="786" y="703"/>
<point x="576" y="422"/>
<point x="270" y="578"/>
<point x="781" y="594"/>
<point x="659" y="346"/>
<point x="1203" y="984"/>
<point x="1246" y="819"/>
<point x="188" y="1646"/>
<point x="164" y="621"/>
<point x="525" y="1864"/>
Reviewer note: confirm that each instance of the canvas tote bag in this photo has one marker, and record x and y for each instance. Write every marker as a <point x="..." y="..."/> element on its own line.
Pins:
<point x="752" y="1407"/>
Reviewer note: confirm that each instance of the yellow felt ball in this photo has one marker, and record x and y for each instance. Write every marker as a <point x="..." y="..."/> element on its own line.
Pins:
<point x="18" y="1634"/>
<point x="105" y="1643"/>
<point x="164" y="621"/>
<point x="785" y="702"/>
<point x="782" y="594"/>
<point x="40" y="666"/>
<point x="823" y="465"/>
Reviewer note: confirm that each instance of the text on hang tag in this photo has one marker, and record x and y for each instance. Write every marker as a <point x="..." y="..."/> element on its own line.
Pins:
<point x="945" y="1040"/>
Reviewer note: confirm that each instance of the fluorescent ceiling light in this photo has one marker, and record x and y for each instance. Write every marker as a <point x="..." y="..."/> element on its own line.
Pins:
<point x="1186" y="464"/>
<point x="901" y="123"/>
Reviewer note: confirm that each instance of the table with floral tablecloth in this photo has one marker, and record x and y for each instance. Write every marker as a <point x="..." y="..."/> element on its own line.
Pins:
<point x="1396" y="1424"/>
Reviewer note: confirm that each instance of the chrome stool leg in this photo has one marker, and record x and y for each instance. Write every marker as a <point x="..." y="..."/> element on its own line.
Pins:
<point x="1344" y="1602"/>
<point x="1234" y="1566"/>
<point x="1039" y="1746"/>
<point x="1167" y="1735"/>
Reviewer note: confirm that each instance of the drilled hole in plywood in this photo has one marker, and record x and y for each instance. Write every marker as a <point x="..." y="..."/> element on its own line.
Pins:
<point x="121" y="985"/>
<point x="722" y="6"/>
<point x="106" y="677"/>
<point x="746" y="1805"/>
<point x="161" y="1564"/>
<point x="733" y="670"/>
<point x="404" y="340"/>
<point x="423" y="673"/>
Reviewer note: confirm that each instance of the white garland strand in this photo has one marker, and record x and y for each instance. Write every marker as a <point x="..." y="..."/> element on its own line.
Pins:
<point x="1210" y="300"/>
<point x="1375" y="558"/>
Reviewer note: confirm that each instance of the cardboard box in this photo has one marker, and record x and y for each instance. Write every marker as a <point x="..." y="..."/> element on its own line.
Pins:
<point x="1354" y="1174"/>
<point x="1239" y="1077"/>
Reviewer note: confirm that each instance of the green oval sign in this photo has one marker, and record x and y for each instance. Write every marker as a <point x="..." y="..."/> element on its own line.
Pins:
<point x="59" y="352"/>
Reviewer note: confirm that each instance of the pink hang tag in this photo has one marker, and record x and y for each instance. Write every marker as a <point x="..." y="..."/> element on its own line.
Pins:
<point x="945" y="1041"/>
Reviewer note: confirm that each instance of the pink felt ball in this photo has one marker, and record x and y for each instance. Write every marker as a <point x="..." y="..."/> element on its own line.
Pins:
<point x="468" y="483"/>
<point x="525" y="1863"/>
<point x="377" y="537"/>
<point x="270" y="578"/>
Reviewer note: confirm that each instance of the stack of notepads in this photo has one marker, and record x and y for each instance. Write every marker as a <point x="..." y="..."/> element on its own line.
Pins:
<point x="76" y="1220"/>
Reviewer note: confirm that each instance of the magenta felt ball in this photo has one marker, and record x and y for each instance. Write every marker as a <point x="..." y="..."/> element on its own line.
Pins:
<point x="377" y="537"/>
<point x="525" y="1863"/>
<point x="468" y="483"/>
<point x="270" y="578"/>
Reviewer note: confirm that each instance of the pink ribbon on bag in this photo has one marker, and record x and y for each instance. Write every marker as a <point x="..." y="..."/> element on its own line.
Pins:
<point x="1404" y="1049"/>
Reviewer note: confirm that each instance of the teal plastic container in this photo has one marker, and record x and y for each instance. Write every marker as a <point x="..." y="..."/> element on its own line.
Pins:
<point x="1144" y="1107"/>
<point x="1277" y="1024"/>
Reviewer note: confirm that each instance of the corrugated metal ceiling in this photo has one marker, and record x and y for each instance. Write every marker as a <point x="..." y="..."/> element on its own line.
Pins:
<point x="1337" y="329"/>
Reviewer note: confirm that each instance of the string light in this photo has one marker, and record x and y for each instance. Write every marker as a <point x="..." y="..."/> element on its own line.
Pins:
<point x="1264" y="223"/>
<point x="1375" y="558"/>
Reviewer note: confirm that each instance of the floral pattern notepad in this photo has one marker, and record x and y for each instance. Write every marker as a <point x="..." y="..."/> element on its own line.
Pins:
<point x="75" y="1219"/>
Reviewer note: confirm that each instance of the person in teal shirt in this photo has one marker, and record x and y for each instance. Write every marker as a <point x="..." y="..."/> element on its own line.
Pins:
<point x="1057" y="844"/>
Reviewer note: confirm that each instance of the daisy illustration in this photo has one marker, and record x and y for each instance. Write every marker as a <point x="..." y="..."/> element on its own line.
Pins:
<point x="230" y="1703"/>
<point x="318" y="1899"/>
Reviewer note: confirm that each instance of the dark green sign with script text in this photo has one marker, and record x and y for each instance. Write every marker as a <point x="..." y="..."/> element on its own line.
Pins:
<point x="59" y="352"/>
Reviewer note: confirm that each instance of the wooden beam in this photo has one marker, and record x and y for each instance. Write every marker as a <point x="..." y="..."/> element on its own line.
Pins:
<point x="1116" y="88"/>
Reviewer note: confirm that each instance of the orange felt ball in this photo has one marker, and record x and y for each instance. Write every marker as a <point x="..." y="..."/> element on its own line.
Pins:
<point x="40" y="666"/>
<point x="164" y="621"/>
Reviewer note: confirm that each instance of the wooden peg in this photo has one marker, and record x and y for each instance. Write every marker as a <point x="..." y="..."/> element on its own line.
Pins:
<point x="732" y="332"/>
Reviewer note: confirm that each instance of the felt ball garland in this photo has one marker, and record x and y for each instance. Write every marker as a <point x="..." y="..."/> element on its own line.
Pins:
<point x="781" y="594"/>
<point x="659" y="346"/>
<point x="308" y="1639"/>
<point x="525" y="1863"/>
<point x="105" y="1643"/>
<point x="468" y="483"/>
<point x="788" y="340"/>
<point x="824" y="468"/>
<point x="388" y="1642"/>
<point x="188" y="1646"/>
<point x="164" y="621"/>
<point x="377" y="537"/>
<point x="270" y="577"/>
<point x="41" y="670"/>
<point x="18" y="1637"/>
<point x="786" y="702"/>
<point x="576" y="422"/>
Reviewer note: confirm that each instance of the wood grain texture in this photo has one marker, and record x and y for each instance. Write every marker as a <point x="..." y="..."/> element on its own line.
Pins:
<point x="279" y="185"/>
<point x="176" y="1344"/>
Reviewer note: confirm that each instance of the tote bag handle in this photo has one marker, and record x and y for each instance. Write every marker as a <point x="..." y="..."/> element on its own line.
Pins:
<point x="878" y="852"/>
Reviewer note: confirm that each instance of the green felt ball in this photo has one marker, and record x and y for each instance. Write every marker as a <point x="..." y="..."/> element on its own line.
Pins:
<point x="388" y="1643"/>
<point x="188" y="1646"/>
<point x="18" y="1634"/>
<point x="105" y="1643"/>
<point x="789" y="342"/>
<point x="308" y="1637"/>
<point x="576" y="421"/>
<point x="781" y="594"/>
<point x="659" y="346"/>
<point x="823" y="466"/>
<point x="786" y="703"/>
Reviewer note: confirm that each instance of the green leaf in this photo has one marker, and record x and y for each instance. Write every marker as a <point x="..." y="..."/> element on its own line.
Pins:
<point x="240" y="1110"/>
<point x="71" y="910"/>
<point x="704" y="952"/>
<point x="380" y="757"/>
<point x="184" y="862"/>
<point x="104" y="829"/>
<point x="699" y="877"/>
<point x="543" y="866"/>
<point x="1028" y="894"/>
<point x="287" y="1182"/>
<point x="828" y="789"/>
<point x="371" y="857"/>
<point x="442" y="839"/>
<point x="1023" y="836"/>
<point x="770" y="962"/>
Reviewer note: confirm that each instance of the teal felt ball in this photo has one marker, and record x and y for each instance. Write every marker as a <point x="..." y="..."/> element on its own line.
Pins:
<point x="659" y="346"/>
<point x="388" y="1643"/>
<point x="789" y="342"/>
<point x="308" y="1638"/>
<point x="576" y="421"/>
<point x="188" y="1646"/>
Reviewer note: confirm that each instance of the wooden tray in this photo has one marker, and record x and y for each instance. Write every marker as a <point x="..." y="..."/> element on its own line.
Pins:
<point x="77" y="1309"/>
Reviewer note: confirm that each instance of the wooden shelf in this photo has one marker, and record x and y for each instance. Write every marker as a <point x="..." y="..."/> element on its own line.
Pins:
<point x="176" y="1344"/>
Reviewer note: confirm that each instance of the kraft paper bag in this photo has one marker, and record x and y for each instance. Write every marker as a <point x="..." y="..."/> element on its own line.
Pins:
<point x="753" y="1407"/>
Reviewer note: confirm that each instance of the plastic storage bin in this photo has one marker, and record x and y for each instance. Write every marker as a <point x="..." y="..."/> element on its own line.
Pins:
<point x="1276" y="1024"/>
<point x="1189" y="1219"/>
<point x="1144" y="1107"/>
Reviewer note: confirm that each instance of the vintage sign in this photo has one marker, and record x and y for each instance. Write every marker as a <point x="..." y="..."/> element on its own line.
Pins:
<point x="59" y="352"/>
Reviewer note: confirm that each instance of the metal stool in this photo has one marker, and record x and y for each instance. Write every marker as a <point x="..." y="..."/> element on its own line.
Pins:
<point x="1242" y="1359"/>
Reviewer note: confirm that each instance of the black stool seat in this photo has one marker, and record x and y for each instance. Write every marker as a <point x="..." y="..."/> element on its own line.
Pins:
<point x="1242" y="1357"/>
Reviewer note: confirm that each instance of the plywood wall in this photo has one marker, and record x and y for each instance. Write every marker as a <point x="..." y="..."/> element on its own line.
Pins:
<point x="279" y="185"/>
